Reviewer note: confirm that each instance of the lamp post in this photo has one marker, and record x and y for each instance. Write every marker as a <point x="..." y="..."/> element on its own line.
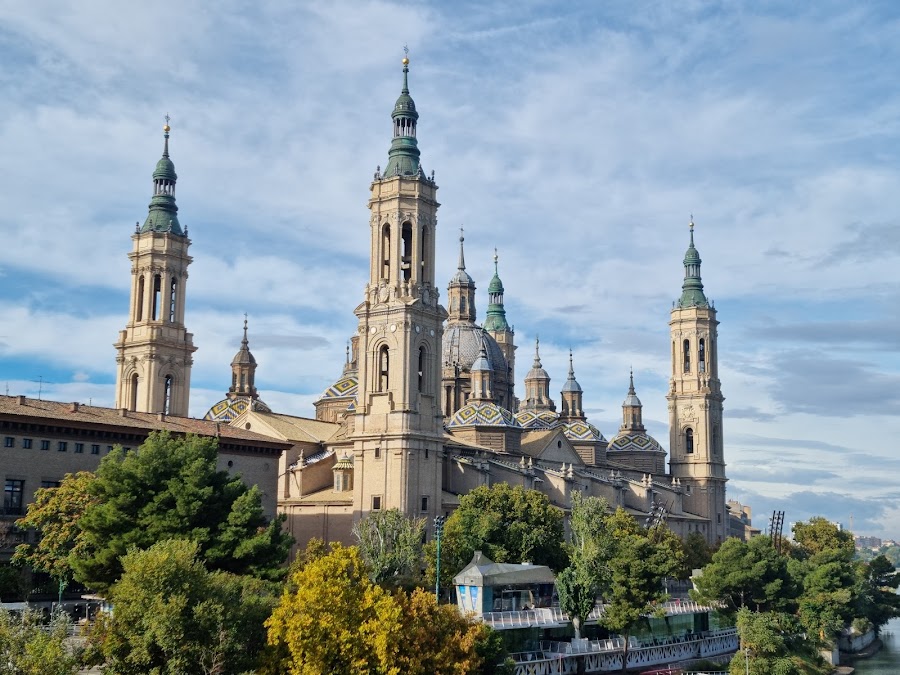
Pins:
<point x="438" y="532"/>
<point x="747" y="660"/>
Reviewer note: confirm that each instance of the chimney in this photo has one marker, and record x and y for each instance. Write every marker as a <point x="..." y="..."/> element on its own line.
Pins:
<point x="20" y="399"/>
<point x="161" y="416"/>
<point x="123" y="412"/>
<point x="74" y="406"/>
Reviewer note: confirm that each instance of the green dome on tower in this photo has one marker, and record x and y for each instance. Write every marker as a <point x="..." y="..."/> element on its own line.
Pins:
<point x="495" y="318"/>
<point x="403" y="157"/>
<point x="163" y="215"/>
<point x="692" y="290"/>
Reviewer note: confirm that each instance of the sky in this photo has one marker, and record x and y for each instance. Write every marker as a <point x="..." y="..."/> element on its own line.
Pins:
<point x="577" y="138"/>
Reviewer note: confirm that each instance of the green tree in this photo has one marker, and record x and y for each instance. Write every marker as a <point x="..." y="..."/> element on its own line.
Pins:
<point x="770" y="645"/>
<point x="641" y="560"/>
<point x="880" y="602"/>
<point x="508" y="524"/>
<point x="747" y="574"/>
<point x="390" y="545"/>
<point x="697" y="554"/>
<point x="174" y="617"/>
<point x="588" y="573"/>
<point x="820" y="535"/>
<point x="55" y="514"/>
<point x="27" y="647"/>
<point x="170" y="488"/>
<point x="335" y="620"/>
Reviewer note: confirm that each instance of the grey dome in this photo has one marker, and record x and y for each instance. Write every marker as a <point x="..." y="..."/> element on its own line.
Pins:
<point x="462" y="345"/>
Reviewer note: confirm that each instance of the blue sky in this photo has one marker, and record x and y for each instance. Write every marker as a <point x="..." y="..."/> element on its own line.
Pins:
<point x="575" y="137"/>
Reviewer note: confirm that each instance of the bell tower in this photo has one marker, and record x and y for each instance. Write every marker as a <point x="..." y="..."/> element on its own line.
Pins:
<point x="154" y="353"/>
<point x="695" y="401"/>
<point x="398" y="425"/>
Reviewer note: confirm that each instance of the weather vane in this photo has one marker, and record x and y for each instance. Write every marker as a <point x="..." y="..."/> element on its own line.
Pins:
<point x="405" y="50"/>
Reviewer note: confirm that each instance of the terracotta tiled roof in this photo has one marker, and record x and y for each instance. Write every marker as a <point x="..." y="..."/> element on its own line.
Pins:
<point x="78" y="413"/>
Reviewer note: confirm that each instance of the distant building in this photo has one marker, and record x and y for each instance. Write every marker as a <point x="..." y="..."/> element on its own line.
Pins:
<point x="868" y="542"/>
<point x="740" y="523"/>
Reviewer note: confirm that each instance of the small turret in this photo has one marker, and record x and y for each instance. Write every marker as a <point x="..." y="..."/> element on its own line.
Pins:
<point x="403" y="157"/>
<point x="243" y="371"/>
<point x="461" y="291"/>
<point x="163" y="215"/>
<point x="495" y="320"/>
<point x="692" y="290"/>
<point x="632" y="416"/>
<point x="571" y="396"/>
<point x="537" y="385"/>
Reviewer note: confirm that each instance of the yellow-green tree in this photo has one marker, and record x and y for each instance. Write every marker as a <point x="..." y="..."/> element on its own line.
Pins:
<point x="334" y="620"/>
<point x="55" y="514"/>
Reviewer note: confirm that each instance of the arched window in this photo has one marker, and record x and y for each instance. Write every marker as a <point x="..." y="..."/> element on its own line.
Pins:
<point x="243" y="380"/>
<point x="689" y="441"/>
<point x="234" y="380"/>
<point x="421" y="368"/>
<point x="406" y="259"/>
<point x="157" y="296"/>
<point x="386" y="251"/>
<point x="167" y="394"/>
<point x="701" y="358"/>
<point x="173" y="291"/>
<point x="687" y="356"/>
<point x="139" y="310"/>
<point x="383" y="368"/>
<point x="134" y="392"/>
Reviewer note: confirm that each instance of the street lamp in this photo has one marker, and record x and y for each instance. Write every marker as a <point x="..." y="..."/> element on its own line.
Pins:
<point x="747" y="660"/>
<point x="438" y="531"/>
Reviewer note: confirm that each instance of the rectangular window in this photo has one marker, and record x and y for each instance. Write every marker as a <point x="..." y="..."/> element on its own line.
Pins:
<point x="62" y="446"/>
<point x="95" y="449"/>
<point x="12" y="497"/>
<point x="49" y="483"/>
<point x="26" y="443"/>
<point x="426" y="453"/>
<point x="109" y="448"/>
<point x="377" y="453"/>
<point x="45" y="445"/>
<point x="79" y="447"/>
<point x="376" y="503"/>
<point x="424" y="504"/>
<point x="9" y="442"/>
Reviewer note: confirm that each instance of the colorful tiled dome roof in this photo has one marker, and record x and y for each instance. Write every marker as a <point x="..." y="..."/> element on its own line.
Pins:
<point x="346" y="387"/>
<point x="229" y="408"/>
<point x="582" y="431"/>
<point x="482" y="414"/>
<point x="543" y="419"/>
<point x="634" y="443"/>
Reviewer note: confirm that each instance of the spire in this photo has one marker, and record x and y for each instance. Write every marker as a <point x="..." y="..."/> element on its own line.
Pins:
<point x="461" y="277"/>
<point x="461" y="292"/>
<point x="571" y="396"/>
<point x="537" y="384"/>
<point x="163" y="215"/>
<point x="632" y="415"/>
<point x="243" y="370"/>
<point x="571" y="383"/>
<point x="482" y="376"/>
<point x="692" y="290"/>
<point x="495" y="319"/>
<point x="403" y="157"/>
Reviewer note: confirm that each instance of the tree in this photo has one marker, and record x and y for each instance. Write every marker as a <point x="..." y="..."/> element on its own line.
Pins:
<point x="390" y="545"/>
<point x="697" y="554"/>
<point x="880" y="602"/>
<point x="170" y="488"/>
<point x="641" y="560"/>
<point x="747" y="574"/>
<point x="588" y="574"/>
<point x="29" y="648"/>
<point x="509" y="524"/>
<point x="55" y="514"/>
<point x="769" y="646"/>
<point x="820" y="535"/>
<point x="174" y="617"/>
<point x="335" y="620"/>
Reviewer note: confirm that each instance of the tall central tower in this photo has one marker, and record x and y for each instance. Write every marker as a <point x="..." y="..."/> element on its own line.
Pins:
<point x="695" y="402"/>
<point x="398" y="425"/>
<point x="154" y="353"/>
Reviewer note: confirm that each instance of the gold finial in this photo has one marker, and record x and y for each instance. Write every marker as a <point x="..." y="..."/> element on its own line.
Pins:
<point x="167" y="128"/>
<point x="405" y="55"/>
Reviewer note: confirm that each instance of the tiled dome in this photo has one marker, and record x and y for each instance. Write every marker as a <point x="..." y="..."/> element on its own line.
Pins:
<point x="482" y="414"/>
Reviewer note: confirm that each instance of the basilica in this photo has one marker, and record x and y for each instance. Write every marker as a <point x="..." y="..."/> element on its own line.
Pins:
<point x="425" y="406"/>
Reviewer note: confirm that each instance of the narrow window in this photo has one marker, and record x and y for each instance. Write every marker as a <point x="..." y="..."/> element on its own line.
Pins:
<point x="62" y="446"/>
<point x="424" y="255"/>
<point x="95" y="449"/>
<point x="173" y="291"/>
<point x="376" y="502"/>
<point x="424" y="504"/>
<point x="45" y="445"/>
<point x="47" y="484"/>
<point x="79" y="448"/>
<point x="386" y="251"/>
<point x="167" y="394"/>
<point x="26" y="443"/>
<point x="421" y="372"/>
<point x="687" y="356"/>
<point x="12" y="497"/>
<point x="140" y="299"/>
<point x="9" y="442"/>
<point x="406" y="259"/>
<point x="701" y="358"/>
<point x="234" y="380"/>
<point x="377" y="453"/>
<point x="157" y="292"/>
<point x="134" y="392"/>
<point x="426" y="453"/>
<point x="383" y="368"/>
<point x="689" y="441"/>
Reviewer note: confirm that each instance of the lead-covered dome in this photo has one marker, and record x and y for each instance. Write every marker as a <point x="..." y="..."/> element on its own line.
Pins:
<point x="461" y="345"/>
